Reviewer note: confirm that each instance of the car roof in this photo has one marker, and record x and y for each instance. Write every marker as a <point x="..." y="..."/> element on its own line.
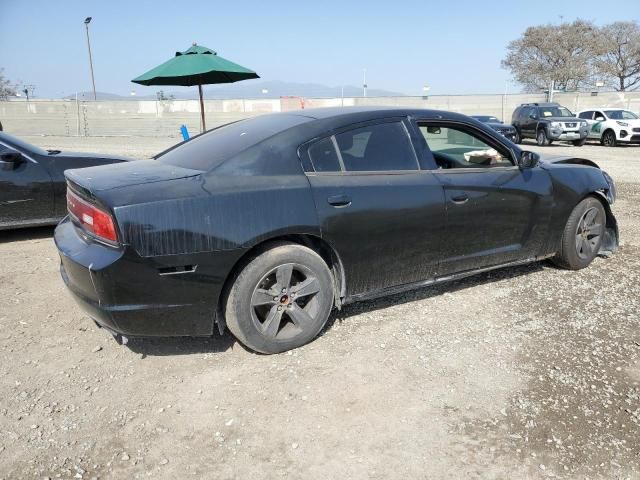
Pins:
<point x="360" y="113"/>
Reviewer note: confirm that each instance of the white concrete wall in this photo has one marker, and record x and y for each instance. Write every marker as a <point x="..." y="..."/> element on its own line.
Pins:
<point x="163" y="118"/>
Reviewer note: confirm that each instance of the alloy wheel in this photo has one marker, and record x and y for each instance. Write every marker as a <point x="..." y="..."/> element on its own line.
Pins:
<point x="588" y="233"/>
<point x="285" y="303"/>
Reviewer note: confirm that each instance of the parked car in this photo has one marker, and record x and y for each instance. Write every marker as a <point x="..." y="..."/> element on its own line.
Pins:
<point x="267" y="224"/>
<point x="32" y="183"/>
<point x="548" y="122"/>
<point x="612" y="125"/>
<point x="499" y="126"/>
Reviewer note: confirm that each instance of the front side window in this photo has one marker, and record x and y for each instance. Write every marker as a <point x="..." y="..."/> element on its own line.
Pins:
<point x="379" y="147"/>
<point x="454" y="147"/>
<point x="621" y="115"/>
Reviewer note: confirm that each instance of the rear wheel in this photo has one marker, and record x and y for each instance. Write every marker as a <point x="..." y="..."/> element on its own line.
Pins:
<point x="582" y="236"/>
<point x="609" y="138"/>
<point x="541" y="138"/>
<point x="280" y="300"/>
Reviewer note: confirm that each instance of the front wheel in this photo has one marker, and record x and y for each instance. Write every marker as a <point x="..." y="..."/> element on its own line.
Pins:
<point x="541" y="138"/>
<point x="280" y="300"/>
<point x="579" y="143"/>
<point x="582" y="236"/>
<point x="517" y="138"/>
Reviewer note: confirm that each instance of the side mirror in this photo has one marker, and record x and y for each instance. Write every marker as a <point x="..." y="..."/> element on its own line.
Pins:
<point x="10" y="158"/>
<point x="599" y="119"/>
<point x="532" y="115"/>
<point x="528" y="159"/>
<point x="434" y="130"/>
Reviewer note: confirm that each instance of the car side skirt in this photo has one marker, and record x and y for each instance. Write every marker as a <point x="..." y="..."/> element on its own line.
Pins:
<point x="437" y="280"/>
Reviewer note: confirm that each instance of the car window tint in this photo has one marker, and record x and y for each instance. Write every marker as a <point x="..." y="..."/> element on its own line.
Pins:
<point x="457" y="148"/>
<point x="379" y="147"/>
<point x="212" y="148"/>
<point x="586" y="115"/>
<point x="323" y="156"/>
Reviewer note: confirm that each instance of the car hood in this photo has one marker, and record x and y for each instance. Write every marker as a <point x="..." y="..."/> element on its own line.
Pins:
<point x="119" y="175"/>
<point x="566" y="160"/>
<point x="562" y="119"/>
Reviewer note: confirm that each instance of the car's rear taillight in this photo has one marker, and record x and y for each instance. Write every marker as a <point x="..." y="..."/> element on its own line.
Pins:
<point x="91" y="218"/>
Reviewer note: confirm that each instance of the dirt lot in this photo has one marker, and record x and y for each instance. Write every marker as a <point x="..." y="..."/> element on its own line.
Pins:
<point x="528" y="372"/>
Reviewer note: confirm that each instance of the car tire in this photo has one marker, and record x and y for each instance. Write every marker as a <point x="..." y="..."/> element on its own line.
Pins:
<point x="609" y="138"/>
<point x="579" y="143"/>
<point x="582" y="236"/>
<point x="281" y="299"/>
<point x="541" y="138"/>
<point x="517" y="138"/>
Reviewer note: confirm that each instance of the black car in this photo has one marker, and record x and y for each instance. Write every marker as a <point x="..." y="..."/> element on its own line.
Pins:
<point x="548" y="122"/>
<point x="507" y="131"/>
<point x="32" y="183"/>
<point x="268" y="223"/>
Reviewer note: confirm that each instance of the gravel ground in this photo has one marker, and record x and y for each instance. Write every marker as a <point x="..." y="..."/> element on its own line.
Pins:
<point x="528" y="372"/>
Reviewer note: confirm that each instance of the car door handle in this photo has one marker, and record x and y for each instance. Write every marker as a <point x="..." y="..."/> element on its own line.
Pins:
<point x="339" y="200"/>
<point x="460" y="198"/>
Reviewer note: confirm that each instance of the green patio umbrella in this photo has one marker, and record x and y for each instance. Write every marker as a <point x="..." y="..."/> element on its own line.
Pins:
<point x="196" y="66"/>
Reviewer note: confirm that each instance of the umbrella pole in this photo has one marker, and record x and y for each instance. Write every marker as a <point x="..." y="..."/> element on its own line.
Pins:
<point x="204" y="127"/>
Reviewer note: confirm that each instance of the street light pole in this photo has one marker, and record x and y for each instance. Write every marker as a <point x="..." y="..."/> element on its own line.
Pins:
<point x="93" y="82"/>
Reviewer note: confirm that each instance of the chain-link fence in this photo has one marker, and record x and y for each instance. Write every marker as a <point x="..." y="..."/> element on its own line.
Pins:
<point x="164" y="118"/>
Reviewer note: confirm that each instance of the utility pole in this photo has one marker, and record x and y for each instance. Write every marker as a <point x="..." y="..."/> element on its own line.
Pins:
<point x="364" y="82"/>
<point x="93" y="82"/>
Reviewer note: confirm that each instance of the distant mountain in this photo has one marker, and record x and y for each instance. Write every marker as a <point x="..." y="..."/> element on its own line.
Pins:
<point x="246" y="89"/>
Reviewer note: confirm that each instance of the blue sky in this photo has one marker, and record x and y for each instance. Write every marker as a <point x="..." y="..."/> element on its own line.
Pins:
<point x="454" y="46"/>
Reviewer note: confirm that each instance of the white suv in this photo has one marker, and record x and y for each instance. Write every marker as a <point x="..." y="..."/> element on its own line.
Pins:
<point x="612" y="125"/>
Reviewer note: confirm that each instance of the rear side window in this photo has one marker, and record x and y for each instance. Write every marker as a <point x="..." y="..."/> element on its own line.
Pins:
<point x="379" y="147"/>
<point x="586" y="115"/>
<point x="212" y="148"/>
<point x="323" y="156"/>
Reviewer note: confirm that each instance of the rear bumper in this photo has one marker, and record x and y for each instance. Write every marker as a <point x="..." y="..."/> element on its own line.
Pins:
<point x="127" y="294"/>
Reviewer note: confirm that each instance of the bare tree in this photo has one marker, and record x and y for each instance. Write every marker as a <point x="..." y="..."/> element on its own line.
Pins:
<point x="618" y="60"/>
<point x="562" y="54"/>
<point x="6" y="89"/>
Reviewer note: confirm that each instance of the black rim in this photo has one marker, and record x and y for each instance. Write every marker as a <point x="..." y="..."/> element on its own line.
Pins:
<point x="588" y="233"/>
<point x="608" y="139"/>
<point x="286" y="302"/>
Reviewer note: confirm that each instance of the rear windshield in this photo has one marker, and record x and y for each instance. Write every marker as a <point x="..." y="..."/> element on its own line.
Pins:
<point x="210" y="149"/>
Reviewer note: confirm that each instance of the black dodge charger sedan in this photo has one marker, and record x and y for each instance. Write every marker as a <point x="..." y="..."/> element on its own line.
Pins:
<point x="32" y="183"/>
<point x="266" y="224"/>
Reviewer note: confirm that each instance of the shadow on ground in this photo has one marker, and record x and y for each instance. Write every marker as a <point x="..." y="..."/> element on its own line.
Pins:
<point x="163" y="346"/>
<point x="23" y="234"/>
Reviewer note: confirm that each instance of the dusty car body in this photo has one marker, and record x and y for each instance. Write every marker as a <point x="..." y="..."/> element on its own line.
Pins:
<point x="32" y="182"/>
<point x="375" y="195"/>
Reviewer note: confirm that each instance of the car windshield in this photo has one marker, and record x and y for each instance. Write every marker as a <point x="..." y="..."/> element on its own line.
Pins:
<point x="555" y="112"/>
<point x="21" y="145"/>
<point x="620" y="115"/>
<point x="486" y="119"/>
<point x="211" y="149"/>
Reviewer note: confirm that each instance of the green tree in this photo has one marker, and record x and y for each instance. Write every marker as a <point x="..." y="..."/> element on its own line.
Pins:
<point x="618" y="60"/>
<point x="562" y="54"/>
<point x="6" y="90"/>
